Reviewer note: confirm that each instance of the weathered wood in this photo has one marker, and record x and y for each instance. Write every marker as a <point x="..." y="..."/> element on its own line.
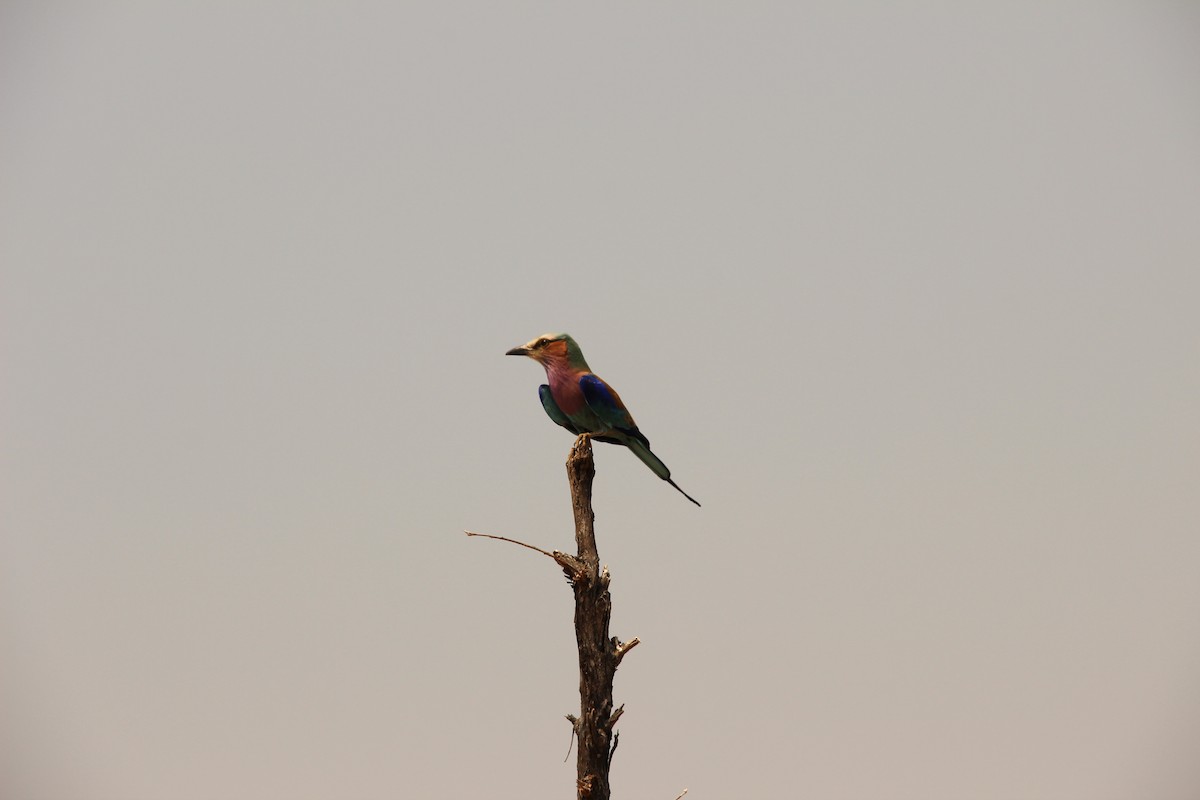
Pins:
<point x="599" y="654"/>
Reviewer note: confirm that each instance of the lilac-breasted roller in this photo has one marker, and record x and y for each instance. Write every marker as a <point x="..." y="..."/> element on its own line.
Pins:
<point x="582" y="402"/>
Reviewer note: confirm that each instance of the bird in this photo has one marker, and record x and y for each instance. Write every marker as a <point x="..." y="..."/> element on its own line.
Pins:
<point x="581" y="401"/>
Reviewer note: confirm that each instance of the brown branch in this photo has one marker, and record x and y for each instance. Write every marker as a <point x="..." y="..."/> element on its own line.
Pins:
<point x="513" y="541"/>
<point x="598" y="652"/>
<point x="569" y="563"/>
<point x="580" y="472"/>
<point x="681" y="794"/>
<point x="622" y="649"/>
<point x="572" y="719"/>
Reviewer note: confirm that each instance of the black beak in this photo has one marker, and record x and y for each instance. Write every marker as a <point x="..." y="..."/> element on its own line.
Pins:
<point x="517" y="351"/>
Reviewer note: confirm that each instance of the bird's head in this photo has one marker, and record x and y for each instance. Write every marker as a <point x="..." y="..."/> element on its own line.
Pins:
<point x="552" y="349"/>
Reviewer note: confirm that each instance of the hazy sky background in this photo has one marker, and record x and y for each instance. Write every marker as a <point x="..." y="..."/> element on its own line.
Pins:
<point x="907" y="295"/>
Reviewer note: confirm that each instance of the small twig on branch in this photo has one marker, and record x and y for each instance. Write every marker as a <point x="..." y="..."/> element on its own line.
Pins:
<point x="616" y="715"/>
<point x="546" y="553"/>
<point x="622" y="649"/>
<point x="681" y="794"/>
<point x="616" y="741"/>
<point x="572" y="719"/>
<point x="569" y="563"/>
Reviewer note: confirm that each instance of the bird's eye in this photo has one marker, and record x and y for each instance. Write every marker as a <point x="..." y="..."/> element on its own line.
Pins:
<point x="541" y="342"/>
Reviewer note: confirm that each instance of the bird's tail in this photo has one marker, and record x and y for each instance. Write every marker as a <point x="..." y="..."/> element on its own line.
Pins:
<point x="656" y="465"/>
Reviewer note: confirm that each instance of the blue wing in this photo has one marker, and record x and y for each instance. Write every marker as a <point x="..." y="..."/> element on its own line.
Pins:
<point x="603" y="400"/>
<point x="605" y="403"/>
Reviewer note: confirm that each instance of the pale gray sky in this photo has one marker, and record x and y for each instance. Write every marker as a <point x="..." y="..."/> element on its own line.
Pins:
<point x="906" y="295"/>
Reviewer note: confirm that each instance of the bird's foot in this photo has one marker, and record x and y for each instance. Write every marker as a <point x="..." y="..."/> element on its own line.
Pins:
<point x="582" y="447"/>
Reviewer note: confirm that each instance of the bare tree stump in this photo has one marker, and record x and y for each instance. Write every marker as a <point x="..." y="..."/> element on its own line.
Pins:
<point x="599" y="655"/>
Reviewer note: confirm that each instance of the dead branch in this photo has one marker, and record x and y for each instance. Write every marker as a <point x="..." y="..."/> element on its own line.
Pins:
<point x="622" y="649"/>
<point x="546" y="553"/>
<point x="616" y="715"/>
<point x="569" y="563"/>
<point x="599" y="654"/>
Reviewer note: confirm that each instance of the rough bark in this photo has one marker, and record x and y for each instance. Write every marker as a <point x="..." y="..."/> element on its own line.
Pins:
<point x="599" y="654"/>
